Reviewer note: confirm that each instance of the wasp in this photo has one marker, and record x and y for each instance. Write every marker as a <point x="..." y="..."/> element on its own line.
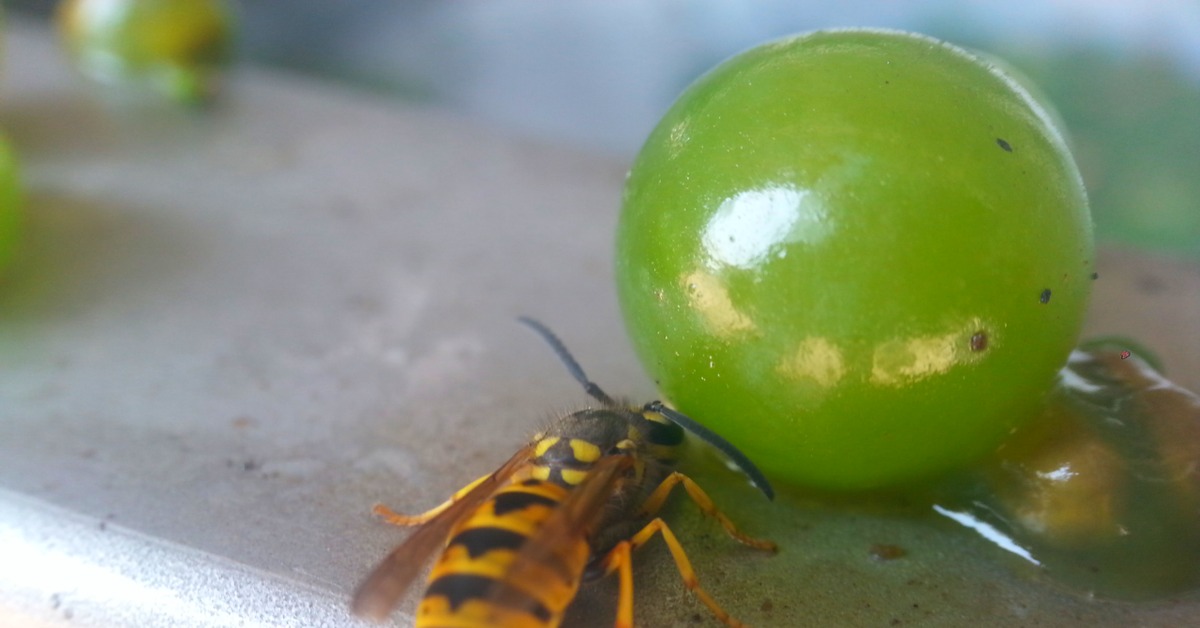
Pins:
<point x="570" y="506"/>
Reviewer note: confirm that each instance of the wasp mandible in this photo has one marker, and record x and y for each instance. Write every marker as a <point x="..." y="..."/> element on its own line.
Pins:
<point x="569" y="506"/>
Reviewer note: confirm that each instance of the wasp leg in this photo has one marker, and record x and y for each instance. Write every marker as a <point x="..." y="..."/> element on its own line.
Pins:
<point x="619" y="559"/>
<point x="397" y="519"/>
<point x="660" y="494"/>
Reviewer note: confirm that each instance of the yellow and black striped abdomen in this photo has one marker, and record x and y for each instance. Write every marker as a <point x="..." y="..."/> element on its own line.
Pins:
<point x="478" y="554"/>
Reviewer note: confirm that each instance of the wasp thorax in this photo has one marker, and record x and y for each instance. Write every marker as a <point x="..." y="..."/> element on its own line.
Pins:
<point x="566" y="451"/>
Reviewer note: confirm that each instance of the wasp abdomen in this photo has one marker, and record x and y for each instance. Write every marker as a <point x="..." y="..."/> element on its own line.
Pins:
<point x="479" y="541"/>
<point x="464" y="582"/>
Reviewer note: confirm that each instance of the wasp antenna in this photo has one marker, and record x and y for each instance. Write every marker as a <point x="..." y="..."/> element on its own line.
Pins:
<point x="567" y="359"/>
<point x="712" y="438"/>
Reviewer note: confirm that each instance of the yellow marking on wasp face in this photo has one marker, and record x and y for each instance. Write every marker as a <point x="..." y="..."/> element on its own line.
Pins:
<point x="543" y="446"/>
<point x="541" y="472"/>
<point x="639" y="469"/>
<point x="584" y="451"/>
<point x="573" y="476"/>
<point x="656" y="417"/>
<point x="628" y="444"/>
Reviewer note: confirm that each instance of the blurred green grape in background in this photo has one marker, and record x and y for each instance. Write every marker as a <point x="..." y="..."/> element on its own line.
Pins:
<point x="10" y="203"/>
<point x="175" y="48"/>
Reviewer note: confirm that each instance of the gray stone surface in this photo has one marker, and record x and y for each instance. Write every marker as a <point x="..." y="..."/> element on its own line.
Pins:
<point x="229" y="334"/>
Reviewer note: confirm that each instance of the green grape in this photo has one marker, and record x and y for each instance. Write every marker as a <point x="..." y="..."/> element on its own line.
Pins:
<point x="859" y="255"/>
<point x="172" y="47"/>
<point x="10" y="202"/>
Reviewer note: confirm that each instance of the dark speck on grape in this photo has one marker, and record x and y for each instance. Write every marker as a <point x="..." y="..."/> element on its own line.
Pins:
<point x="1045" y="298"/>
<point x="1095" y="276"/>
<point x="1003" y="144"/>
<point x="979" y="341"/>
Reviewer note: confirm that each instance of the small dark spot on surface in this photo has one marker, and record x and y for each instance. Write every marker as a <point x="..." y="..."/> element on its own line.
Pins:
<point x="55" y="601"/>
<point x="886" y="551"/>
<point x="103" y="526"/>
<point x="1003" y="144"/>
<point x="365" y="304"/>
<point x="250" y="465"/>
<point x="1094" y="569"/>
<point x="1045" y="298"/>
<point x="896" y="621"/>
<point x="767" y="606"/>
<point x="1149" y="284"/>
<point x="697" y="618"/>
<point x="979" y="341"/>
<point x="1095" y="276"/>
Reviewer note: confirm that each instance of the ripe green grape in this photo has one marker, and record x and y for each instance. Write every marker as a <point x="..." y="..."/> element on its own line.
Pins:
<point x="859" y="255"/>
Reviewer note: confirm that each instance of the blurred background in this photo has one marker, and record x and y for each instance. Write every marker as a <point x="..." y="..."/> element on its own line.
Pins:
<point x="597" y="74"/>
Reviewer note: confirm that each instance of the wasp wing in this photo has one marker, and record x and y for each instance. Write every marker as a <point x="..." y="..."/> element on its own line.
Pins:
<point x="576" y="517"/>
<point x="378" y="594"/>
